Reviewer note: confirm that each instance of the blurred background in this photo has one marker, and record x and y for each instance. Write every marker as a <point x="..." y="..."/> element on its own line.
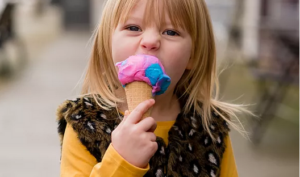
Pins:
<point x="45" y="47"/>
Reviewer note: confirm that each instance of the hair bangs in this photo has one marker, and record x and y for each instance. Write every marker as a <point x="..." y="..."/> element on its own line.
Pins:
<point x="152" y="15"/>
<point x="122" y="10"/>
<point x="180" y="13"/>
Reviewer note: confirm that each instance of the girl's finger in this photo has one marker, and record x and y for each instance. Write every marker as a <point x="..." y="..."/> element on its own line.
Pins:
<point x="126" y="113"/>
<point x="137" y="114"/>
<point x="151" y="136"/>
<point x="124" y="117"/>
<point x="153" y="128"/>
<point x="147" y="125"/>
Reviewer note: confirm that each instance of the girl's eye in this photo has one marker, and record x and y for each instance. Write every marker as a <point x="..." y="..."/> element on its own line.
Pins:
<point x="133" y="28"/>
<point x="171" y="33"/>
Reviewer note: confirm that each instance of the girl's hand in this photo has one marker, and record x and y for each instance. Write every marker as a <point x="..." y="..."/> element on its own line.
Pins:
<point x="134" y="139"/>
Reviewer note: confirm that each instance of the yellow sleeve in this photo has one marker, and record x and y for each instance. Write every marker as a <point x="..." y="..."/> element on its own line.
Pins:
<point x="76" y="161"/>
<point x="228" y="166"/>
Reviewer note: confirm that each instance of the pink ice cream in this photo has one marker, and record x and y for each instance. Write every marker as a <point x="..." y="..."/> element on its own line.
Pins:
<point x="144" y="68"/>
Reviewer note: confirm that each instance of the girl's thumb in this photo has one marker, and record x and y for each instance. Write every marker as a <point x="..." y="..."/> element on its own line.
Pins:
<point x="126" y="115"/>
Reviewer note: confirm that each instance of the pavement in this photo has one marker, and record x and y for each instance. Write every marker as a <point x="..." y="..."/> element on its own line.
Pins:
<point x="29" y="145"/>
<point x="29" y="140"/>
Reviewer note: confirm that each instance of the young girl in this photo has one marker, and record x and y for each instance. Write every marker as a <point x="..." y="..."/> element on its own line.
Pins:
<point x="187" y="133"/>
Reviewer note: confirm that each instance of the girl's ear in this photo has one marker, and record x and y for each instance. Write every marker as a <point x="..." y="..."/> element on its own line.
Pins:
<point x="189" y="65"/>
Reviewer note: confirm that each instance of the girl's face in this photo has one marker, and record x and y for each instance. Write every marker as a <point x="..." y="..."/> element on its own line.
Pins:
<point x="171" y="46"/>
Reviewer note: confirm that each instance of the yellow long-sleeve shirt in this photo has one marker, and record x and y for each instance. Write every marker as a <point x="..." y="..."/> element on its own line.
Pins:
<point x="76" y="161"/>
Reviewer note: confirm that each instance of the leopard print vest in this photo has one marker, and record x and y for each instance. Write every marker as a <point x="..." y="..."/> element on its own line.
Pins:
<point x="190" y="152"/>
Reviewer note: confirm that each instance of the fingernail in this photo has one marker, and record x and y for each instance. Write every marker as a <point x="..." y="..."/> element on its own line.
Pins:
<point x="152" y="100"/>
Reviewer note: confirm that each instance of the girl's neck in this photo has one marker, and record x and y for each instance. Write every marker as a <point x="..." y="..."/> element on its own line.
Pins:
<point x="166" y="107"/>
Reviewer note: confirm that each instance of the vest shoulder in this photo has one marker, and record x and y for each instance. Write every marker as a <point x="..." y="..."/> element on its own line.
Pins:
<point x="85" y="106"/>
<point x="91" y="122"/>
<point x="218" y="118"/>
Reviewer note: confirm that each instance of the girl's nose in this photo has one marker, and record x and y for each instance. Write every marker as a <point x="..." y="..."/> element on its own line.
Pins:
<point x="151" y="41"/>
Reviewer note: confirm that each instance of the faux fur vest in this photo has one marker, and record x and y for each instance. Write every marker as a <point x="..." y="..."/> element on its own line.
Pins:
<point x="190" y="152"/>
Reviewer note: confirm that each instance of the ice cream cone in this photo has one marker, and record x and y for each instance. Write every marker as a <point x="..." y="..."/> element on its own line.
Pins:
<point x="137" y="92"/>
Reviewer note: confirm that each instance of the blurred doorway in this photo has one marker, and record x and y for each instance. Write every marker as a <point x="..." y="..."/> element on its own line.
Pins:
<point x="76" y="14"/>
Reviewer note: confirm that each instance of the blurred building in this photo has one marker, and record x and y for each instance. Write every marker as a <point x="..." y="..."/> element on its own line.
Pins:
<point x="261" y="17"/>
<point x="277" y="65"/>
<point x="83" y="14"/>
<point x="244" y="21"/>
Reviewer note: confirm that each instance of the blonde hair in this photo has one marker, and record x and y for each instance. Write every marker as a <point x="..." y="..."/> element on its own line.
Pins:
<point x="199" y="84"/>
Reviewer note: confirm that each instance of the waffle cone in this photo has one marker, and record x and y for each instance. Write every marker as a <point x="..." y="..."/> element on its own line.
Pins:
<point x="137" y="92"/>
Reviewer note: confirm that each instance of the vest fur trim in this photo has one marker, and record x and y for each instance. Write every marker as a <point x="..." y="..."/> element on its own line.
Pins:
<point x="190" y="152"/>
